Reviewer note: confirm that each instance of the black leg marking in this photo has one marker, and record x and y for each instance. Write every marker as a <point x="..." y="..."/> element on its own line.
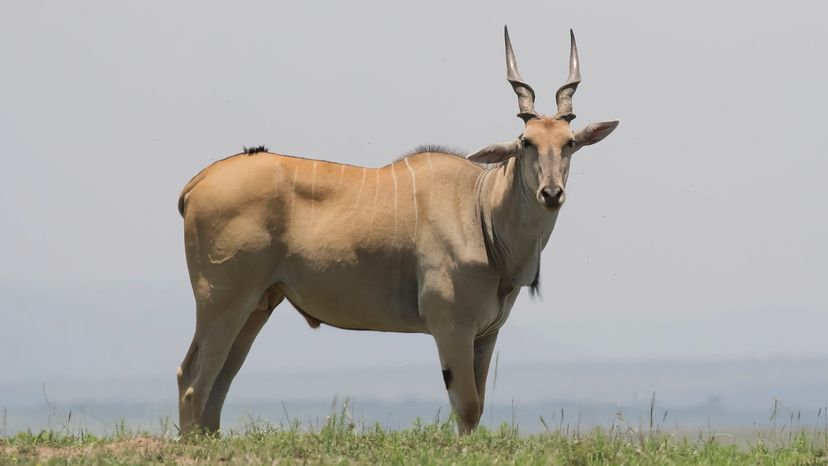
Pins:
<point x="447" y="377"/>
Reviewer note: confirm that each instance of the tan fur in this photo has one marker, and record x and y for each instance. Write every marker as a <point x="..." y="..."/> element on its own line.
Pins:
<point x="372" y="265"/>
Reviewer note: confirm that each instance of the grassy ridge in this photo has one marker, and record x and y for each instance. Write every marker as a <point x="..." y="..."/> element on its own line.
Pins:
<point x="341" y="442"/>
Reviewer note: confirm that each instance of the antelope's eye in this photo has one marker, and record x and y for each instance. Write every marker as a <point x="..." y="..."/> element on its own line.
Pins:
<point x="527" y="143"/>
<point x="571" y="143"/>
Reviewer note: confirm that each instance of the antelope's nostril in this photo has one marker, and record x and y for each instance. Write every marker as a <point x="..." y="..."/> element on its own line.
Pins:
<point x="551" y="195"/>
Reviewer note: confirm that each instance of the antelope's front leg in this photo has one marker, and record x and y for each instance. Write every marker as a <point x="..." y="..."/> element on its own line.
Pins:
<point x="483" y="348"/>
<point x="457" y="360"/>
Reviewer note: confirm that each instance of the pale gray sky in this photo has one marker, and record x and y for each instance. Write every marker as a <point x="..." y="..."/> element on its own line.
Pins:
<point x="696" y="230"/>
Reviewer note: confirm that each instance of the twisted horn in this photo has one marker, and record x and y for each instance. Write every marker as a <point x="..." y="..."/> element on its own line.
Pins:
<point x="564" y="95"/>
<point x="526" y="96"/>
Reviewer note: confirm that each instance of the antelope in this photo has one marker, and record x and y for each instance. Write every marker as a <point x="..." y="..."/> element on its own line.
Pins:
<point x="434" y="243"/>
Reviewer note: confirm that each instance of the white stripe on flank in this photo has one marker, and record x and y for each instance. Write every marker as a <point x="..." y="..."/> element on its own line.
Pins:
<point x="431" y="179"/>
<point x="376" y="195"/>
<point x="414" y="196"/>
<point x="313" y="190"/>
<point x="341" y="173"/>
<point x="293" y="194"/>
<point x="394" y="176"/>
<point x="361" y="185"/>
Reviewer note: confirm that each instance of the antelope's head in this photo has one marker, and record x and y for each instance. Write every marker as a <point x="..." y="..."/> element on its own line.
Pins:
<point x="548" y="142"/>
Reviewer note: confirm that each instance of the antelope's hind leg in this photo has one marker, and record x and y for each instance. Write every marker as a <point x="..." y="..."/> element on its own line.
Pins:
<point x="220" y="316"/>
<point x="211" y="419"/>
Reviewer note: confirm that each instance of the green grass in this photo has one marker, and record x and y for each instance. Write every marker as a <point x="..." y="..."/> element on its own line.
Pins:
<point x="340" y="441"/>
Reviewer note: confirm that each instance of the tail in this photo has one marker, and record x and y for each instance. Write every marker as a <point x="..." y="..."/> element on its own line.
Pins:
<point x="182" y="198"/>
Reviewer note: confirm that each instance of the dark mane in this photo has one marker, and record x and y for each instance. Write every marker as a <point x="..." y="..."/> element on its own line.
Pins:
<point x="434" y="149"/>
<point x="438" y="149"/>
<point x="254" y="149"/>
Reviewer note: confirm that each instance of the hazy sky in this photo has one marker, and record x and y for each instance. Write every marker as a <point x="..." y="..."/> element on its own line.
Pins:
<point x="697" y="229"/>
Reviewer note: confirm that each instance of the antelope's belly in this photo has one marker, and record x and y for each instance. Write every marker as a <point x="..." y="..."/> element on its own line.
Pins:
<point x="358" y="298"/>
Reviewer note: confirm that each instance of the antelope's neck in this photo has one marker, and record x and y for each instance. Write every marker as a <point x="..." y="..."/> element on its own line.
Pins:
<point x="515" y="226"/>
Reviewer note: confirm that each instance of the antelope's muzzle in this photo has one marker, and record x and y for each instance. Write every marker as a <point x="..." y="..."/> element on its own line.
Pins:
<point x="552" y="197"/>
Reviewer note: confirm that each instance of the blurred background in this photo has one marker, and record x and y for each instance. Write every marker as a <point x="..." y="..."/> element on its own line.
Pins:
<point x="690" y="260"/>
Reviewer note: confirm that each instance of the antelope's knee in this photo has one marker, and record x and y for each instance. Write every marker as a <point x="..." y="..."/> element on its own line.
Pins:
<point x="469" y="413"/>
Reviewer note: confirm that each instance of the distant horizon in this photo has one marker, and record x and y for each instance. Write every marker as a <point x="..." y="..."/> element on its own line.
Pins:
<point x="120" y="307"/>
<point x="727" y="395"/>
<point x="740" y="382"/>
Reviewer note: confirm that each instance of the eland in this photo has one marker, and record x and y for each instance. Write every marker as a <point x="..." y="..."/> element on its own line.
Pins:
<point x="436" y="243"/>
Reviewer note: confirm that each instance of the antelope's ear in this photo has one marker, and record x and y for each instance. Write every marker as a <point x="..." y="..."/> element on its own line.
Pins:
<point x="594" y="132"/>
<point x="496" y="152"/>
